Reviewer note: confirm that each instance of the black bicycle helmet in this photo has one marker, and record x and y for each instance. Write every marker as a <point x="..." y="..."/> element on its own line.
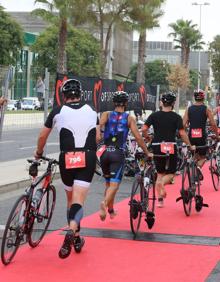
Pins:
<point x="168" y="98"/>
<point x="71" y="87"/>
<point x="199" y="95"/>
<point x="120" y="97"/>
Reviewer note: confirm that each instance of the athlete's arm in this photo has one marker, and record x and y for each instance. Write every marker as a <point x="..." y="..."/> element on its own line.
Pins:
<point x="185" y="119"/>
<point x="103" y="120"/>
<point x="42" y="139"/>
<point x="215" y="111"/>
<point x="185" y="138"/>
<point x="144" y="130"/>
<point x="212" y="121"/>
<point x="132" y="125"/>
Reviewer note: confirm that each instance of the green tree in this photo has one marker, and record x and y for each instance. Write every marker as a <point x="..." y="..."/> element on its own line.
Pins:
<point x="156" y="73"/>
<point x="60" y="12"/>
<point x="193" y="76"/>
<point x="82" y="51"/>
<point x="187" y="37"/>
<point x="11" y="41"/>
<point x="214" y="50"/>
<point x="144" y="15"/>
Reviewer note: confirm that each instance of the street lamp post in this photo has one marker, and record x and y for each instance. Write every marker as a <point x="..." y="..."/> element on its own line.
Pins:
<point x="199" y="54"/>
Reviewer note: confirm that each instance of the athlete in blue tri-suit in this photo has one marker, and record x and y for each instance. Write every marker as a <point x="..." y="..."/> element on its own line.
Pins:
<point x="116" y="125"/>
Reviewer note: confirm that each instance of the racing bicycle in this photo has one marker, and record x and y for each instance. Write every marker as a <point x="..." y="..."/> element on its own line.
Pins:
<point x="31" y="214"/>
<point x="190" y="189"/>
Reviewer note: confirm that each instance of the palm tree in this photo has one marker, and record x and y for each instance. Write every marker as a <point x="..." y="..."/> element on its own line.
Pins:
<point x="187" y="38"/>
<point x="144" y="15"/>
<point x="61" y="12"/>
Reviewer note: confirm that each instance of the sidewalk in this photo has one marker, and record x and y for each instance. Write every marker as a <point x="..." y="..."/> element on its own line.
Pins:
<point x="14" y="174"/>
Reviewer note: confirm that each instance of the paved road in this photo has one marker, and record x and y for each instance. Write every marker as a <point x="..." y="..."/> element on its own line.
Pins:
<point x="59" y="217"/>
<point x="19" y="144"/>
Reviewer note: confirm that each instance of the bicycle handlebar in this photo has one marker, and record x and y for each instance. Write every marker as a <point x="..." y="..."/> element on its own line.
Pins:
<point x="37" y="162"/>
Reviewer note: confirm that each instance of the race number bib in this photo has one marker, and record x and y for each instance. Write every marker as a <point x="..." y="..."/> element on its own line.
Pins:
<point x="196" y="132"/>
<point x="100" y="151"/>
<point x="167" y="148"/>
<point x="75" y="160"/>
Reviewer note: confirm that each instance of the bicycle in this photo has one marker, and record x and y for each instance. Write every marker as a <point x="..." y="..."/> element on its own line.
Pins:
<point x="31" y="214"/>
<point x="215" y="165"/>
<point x="143" y="195"/>
<point x="191" y="184"/>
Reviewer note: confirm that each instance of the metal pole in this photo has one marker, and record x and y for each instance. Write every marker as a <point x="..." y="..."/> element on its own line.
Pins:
<point x="111" y="57"/>
<point x="157" y="97"/>
<point x="46" y="98"/>
<point x="199" y="54"/>
<point x="5" y="95"/>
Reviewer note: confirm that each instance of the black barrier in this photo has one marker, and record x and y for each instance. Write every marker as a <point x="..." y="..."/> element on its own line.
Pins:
<point x="98" y="93"/>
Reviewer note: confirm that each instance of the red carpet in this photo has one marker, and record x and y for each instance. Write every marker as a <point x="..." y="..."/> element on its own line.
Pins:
<point x="109" y="260"/>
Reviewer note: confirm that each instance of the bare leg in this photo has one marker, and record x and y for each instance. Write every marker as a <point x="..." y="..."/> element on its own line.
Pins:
<point x="109" y="198"/>
<point x="78" y="197"/>
<point x="159" y="185"/>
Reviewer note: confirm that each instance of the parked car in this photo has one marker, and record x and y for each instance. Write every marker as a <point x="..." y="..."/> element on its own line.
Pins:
<point x="30" y="103"/>
<point x="12" y="105"/>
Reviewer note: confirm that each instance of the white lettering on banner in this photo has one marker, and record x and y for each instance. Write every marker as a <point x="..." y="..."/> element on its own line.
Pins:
<point x="86" y="95"/>
<point x="106" y="96"/>
<point x="134" y="97"/>
<point x="151" y="98"/>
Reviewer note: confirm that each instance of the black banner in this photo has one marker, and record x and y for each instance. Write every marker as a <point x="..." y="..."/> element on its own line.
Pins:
<point x="98" y="93"/>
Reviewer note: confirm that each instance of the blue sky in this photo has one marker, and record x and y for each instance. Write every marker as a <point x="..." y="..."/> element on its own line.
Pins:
<point x="174" y="10"/>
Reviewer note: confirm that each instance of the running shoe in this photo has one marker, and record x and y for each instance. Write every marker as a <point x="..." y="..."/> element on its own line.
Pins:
<point x="65" y="250"/>
<point x="78" y="244"/>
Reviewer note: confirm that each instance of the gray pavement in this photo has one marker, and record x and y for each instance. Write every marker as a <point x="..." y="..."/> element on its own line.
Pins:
<point x="14" y="174"/>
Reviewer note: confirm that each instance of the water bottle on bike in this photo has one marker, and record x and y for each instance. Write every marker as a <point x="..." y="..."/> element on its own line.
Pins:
<point x="37" y="197"/>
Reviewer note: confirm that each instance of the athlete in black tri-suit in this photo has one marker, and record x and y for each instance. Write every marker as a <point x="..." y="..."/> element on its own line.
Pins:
<point x="78" y="133"/>
<point x="195" y="118"/>
<point x="165" y="124"/>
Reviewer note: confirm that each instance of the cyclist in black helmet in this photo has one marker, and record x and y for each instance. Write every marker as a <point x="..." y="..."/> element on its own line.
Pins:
<point x="78" y="133"/>
<point x="195" y="117"/>
<point x="116" y="125"/>
<point x="165" y="124"/>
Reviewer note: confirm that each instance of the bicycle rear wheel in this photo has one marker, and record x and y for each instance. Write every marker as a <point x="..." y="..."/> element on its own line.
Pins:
<point x="136" y="206"/>
<point x="42" y="216"/>
<point x="214" y="169"/>
<point x="186" y="190"/>
<point x="14" y="230"/>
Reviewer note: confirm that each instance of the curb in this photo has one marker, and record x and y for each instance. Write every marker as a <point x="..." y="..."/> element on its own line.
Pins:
<point x="7" y="188"/>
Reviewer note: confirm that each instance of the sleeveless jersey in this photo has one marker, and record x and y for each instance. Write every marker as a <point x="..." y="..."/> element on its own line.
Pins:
<point x="116" y="130"/>
<point x="197" y="121"/>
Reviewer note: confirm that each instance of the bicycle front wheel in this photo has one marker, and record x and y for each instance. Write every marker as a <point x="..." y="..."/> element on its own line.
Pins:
<point x="42" y="216"/>
<point x="14" y="230"/>
<point x="214" y="169"/>
<point x="136" y="206"/>
<point x="185" y="191"/>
